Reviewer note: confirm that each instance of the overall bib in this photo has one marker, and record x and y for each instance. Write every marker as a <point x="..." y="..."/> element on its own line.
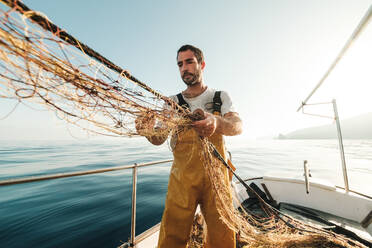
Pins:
<point x="189" y="185"/>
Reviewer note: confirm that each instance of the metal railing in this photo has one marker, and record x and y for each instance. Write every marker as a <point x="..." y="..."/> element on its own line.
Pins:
<point x="336" y="118"/>
<point x="96" y="171"/>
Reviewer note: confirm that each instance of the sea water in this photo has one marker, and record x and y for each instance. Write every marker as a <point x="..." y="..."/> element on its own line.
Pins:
<point x="95" y="210"/>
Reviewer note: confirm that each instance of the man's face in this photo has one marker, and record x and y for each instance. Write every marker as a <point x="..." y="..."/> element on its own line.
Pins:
<point x="190" y="69"/>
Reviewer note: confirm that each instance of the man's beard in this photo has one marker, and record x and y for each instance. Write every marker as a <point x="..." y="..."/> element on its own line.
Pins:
<point x="191" y="80"/>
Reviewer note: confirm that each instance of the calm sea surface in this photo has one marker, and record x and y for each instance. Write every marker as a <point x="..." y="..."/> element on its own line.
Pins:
<point x="95" y="210"/>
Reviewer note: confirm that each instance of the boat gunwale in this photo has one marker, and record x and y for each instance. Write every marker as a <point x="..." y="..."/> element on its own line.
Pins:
<point x="314" y="185"/>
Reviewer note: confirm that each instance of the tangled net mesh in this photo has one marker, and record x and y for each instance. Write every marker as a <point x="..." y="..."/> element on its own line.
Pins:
<point x="40" y="66"/>
<point x="37" y="65"/>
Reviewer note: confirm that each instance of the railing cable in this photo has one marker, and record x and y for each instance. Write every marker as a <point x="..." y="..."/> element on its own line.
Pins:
<point x="78" y="173"/>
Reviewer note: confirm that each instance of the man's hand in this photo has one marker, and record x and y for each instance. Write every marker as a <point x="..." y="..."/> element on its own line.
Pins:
<point x="207" y="126"/>
<point x="230" y="124"/>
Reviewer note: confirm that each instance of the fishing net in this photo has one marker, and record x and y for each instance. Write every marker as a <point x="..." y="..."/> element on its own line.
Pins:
<point x="37" y="65"/>
<point x="41" y="63"/>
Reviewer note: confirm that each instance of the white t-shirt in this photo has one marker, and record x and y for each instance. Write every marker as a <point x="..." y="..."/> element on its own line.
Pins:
<point x="205" y="101"/>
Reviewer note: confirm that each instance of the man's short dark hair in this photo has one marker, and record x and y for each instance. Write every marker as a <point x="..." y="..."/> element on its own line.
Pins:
<point x="197" y="52"/>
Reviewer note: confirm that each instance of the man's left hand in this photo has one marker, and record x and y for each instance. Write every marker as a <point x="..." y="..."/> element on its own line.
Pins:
<point x="207" y="126"/>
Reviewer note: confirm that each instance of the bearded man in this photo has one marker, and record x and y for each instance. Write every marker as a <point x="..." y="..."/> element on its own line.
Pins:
<point x="189" y="184"/>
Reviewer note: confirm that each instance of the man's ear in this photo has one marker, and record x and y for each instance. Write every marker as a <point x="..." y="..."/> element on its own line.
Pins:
<point x="203" y="65"/>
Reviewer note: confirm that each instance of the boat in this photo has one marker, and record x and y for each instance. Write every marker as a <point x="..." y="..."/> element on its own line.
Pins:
<point x="312" y="200"/>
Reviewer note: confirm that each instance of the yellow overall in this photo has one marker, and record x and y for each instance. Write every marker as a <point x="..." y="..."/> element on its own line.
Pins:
<point x="189" y="185"/>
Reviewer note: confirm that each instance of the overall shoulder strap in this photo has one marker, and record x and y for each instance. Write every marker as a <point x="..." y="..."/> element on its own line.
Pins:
<point x="182" y="102"/>
<point x="217" y="103"/>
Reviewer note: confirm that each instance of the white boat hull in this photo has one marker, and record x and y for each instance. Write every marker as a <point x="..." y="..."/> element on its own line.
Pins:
<point x="323" y="196"/>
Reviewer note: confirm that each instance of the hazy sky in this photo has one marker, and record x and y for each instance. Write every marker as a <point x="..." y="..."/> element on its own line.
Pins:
<point x="268" y="55"/>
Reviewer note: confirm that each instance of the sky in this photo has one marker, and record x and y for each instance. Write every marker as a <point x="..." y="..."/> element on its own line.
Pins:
<point x="267" y="54"/>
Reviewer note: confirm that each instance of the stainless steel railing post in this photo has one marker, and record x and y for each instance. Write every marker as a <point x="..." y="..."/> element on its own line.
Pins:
<point x="134" y="193"/>
<point x="307" y="175"/>
<point x="341" y="145"/>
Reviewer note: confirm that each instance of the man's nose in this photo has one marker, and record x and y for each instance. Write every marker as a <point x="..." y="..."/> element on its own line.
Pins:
<point x="183" y="68"/>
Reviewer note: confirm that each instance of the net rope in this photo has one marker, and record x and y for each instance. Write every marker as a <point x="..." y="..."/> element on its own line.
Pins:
<point x="44" y="68"/>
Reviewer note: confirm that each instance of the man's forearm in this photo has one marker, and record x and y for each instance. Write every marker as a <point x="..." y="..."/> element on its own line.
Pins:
<point x="230" y="124"/>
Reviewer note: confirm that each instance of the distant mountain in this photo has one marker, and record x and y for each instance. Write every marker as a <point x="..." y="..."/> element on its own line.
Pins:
<point x="358" y="127"/>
